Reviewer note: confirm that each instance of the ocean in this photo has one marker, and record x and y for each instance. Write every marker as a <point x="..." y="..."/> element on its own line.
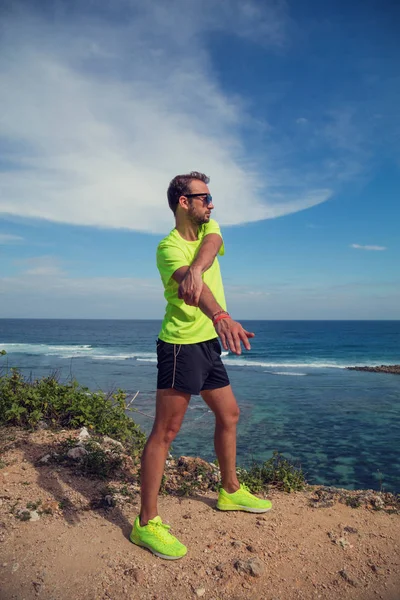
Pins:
<point x="342" y="427"/>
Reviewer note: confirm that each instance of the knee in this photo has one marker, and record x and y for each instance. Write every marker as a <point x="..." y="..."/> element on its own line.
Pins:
<point x="166" y="435"/>
<point x="230" y="418"/>
<point x="235" y="415"/>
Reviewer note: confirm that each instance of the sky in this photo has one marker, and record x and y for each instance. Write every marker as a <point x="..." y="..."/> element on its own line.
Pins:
<point x="292" y="109"/>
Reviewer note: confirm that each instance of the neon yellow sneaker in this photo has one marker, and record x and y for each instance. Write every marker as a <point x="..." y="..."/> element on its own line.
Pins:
<point x="242" y="499"/>
<point x="156" y="537"/>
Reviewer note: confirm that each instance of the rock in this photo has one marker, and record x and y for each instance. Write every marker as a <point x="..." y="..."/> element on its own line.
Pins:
<point x="200" y="592"/>
<point x="15" y="567"/>
<point x="42" y="425"/>
<point x="77" y="452"/>
<point x="343" y="543"/>
<point x="109" y="500"/>
<point x="34" y="515"/>
<point x="251" y="548"/>
<point x="260" y="523"/>
<point x="83" y="434"/>
<point x="375" y="568"/>
<point x="349" y="529"/>
<point x="45" y="459"/>
<point x="377" y="501"/>
<point x="339" y="541"/>
<point x="252" y="566"/>
<point x="323" y="498"/>
<point x="193" y="466"/>
<point x="343" y="573"/>
<point x="138" y="575"/>
<point x="394" y="369"/>
<point x="108" y="440"/>
<point x="237" y="544"/>
<point x="50" y="507"/>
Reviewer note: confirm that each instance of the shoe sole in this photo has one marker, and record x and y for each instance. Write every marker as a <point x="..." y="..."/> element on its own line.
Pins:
<point x="165" y="556"/>
<point x="244" y="508"/>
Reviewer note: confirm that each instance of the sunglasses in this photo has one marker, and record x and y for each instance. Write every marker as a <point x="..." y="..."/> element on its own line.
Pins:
<point x="207" y="197"/>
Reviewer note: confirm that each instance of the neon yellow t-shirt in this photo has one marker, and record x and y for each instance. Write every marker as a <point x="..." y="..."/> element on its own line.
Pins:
<point x="185" y="324"/>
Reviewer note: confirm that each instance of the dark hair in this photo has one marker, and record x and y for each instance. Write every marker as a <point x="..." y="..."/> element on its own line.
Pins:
<point x="179" y="186"/>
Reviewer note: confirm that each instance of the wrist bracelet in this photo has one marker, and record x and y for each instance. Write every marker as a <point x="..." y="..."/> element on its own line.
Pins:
<point x="220" y="312"/>
<point x="224" y="316"/>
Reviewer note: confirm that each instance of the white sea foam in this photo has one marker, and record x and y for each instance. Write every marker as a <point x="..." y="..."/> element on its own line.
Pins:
<point x="276" y="365"/>
<point x="112" y="354"/>
<point x="48" y="349"/>
<point x="286" y="373"/>
<point x="76" y="351"/>
<point x="140" y="356"/>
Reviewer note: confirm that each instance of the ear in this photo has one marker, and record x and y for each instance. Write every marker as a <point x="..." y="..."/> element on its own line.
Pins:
<point x="183" y="202"/>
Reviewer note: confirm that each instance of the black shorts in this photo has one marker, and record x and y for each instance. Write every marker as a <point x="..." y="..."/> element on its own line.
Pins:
<point x="190" y="368"/>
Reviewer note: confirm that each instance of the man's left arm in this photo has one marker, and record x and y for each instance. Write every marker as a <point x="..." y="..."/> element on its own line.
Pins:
<point x="191" y="287"/>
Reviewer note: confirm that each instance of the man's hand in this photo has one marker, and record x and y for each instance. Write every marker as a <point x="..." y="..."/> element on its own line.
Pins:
<point x="191" y="287"/>
<point x="232" y="333"/>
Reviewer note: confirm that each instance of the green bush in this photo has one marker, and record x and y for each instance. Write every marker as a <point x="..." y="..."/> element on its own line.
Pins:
<point x="66" y="405"/>
<point x="277" y="471"/>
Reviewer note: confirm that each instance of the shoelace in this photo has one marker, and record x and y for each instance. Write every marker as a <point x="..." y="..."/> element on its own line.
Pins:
<point x="161" y="530"/>
<point x="244" y="488"/>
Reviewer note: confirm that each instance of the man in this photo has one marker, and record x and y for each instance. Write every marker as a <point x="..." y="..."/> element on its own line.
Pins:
<point x="189" y="358"/>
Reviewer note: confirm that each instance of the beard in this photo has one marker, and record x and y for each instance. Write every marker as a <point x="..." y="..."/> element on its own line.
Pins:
<point x="197" y="219"/>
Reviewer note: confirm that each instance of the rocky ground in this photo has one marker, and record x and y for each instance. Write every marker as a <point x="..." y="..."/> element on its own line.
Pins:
<point x="66" y="515"/>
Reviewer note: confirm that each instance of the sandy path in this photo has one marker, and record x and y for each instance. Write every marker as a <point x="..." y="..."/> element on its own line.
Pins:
<point x="80" y="553"/>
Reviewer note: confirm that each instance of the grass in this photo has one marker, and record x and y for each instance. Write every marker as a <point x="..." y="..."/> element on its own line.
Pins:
<point x="276" y="471"/>
<point x="33" y="505"/>
<point x="67" y="405"/>
<point x="98" y="462"/>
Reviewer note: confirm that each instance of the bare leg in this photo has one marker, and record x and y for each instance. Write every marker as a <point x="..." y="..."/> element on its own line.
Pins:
<point x="171" y="406"/>
<point x="223" y="404"/>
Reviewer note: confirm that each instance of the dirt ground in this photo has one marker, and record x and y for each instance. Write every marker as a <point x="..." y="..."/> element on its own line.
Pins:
<point x="74" y="547"/>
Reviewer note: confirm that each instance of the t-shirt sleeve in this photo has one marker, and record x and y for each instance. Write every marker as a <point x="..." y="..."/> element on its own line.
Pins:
<point x="213" y="227"/>
<point x="169" y="259"/>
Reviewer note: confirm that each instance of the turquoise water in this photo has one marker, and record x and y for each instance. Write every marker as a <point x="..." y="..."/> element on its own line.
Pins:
<point x="343" y="427"/>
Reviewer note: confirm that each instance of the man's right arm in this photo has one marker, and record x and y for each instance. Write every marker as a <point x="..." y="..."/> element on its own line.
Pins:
<point x="231" y="332"/>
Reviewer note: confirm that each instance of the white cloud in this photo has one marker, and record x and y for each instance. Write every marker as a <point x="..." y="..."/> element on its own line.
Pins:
<point x="63" y="296"/>
<point x="360" y="247"/>
<point x="301" y="121"/>
<point x="56" y="295"/>
<point x="41" y="266"/>
<point x="55" y="284"/>
<point x="98" y="118"/>
<point x="7" y="238"/>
